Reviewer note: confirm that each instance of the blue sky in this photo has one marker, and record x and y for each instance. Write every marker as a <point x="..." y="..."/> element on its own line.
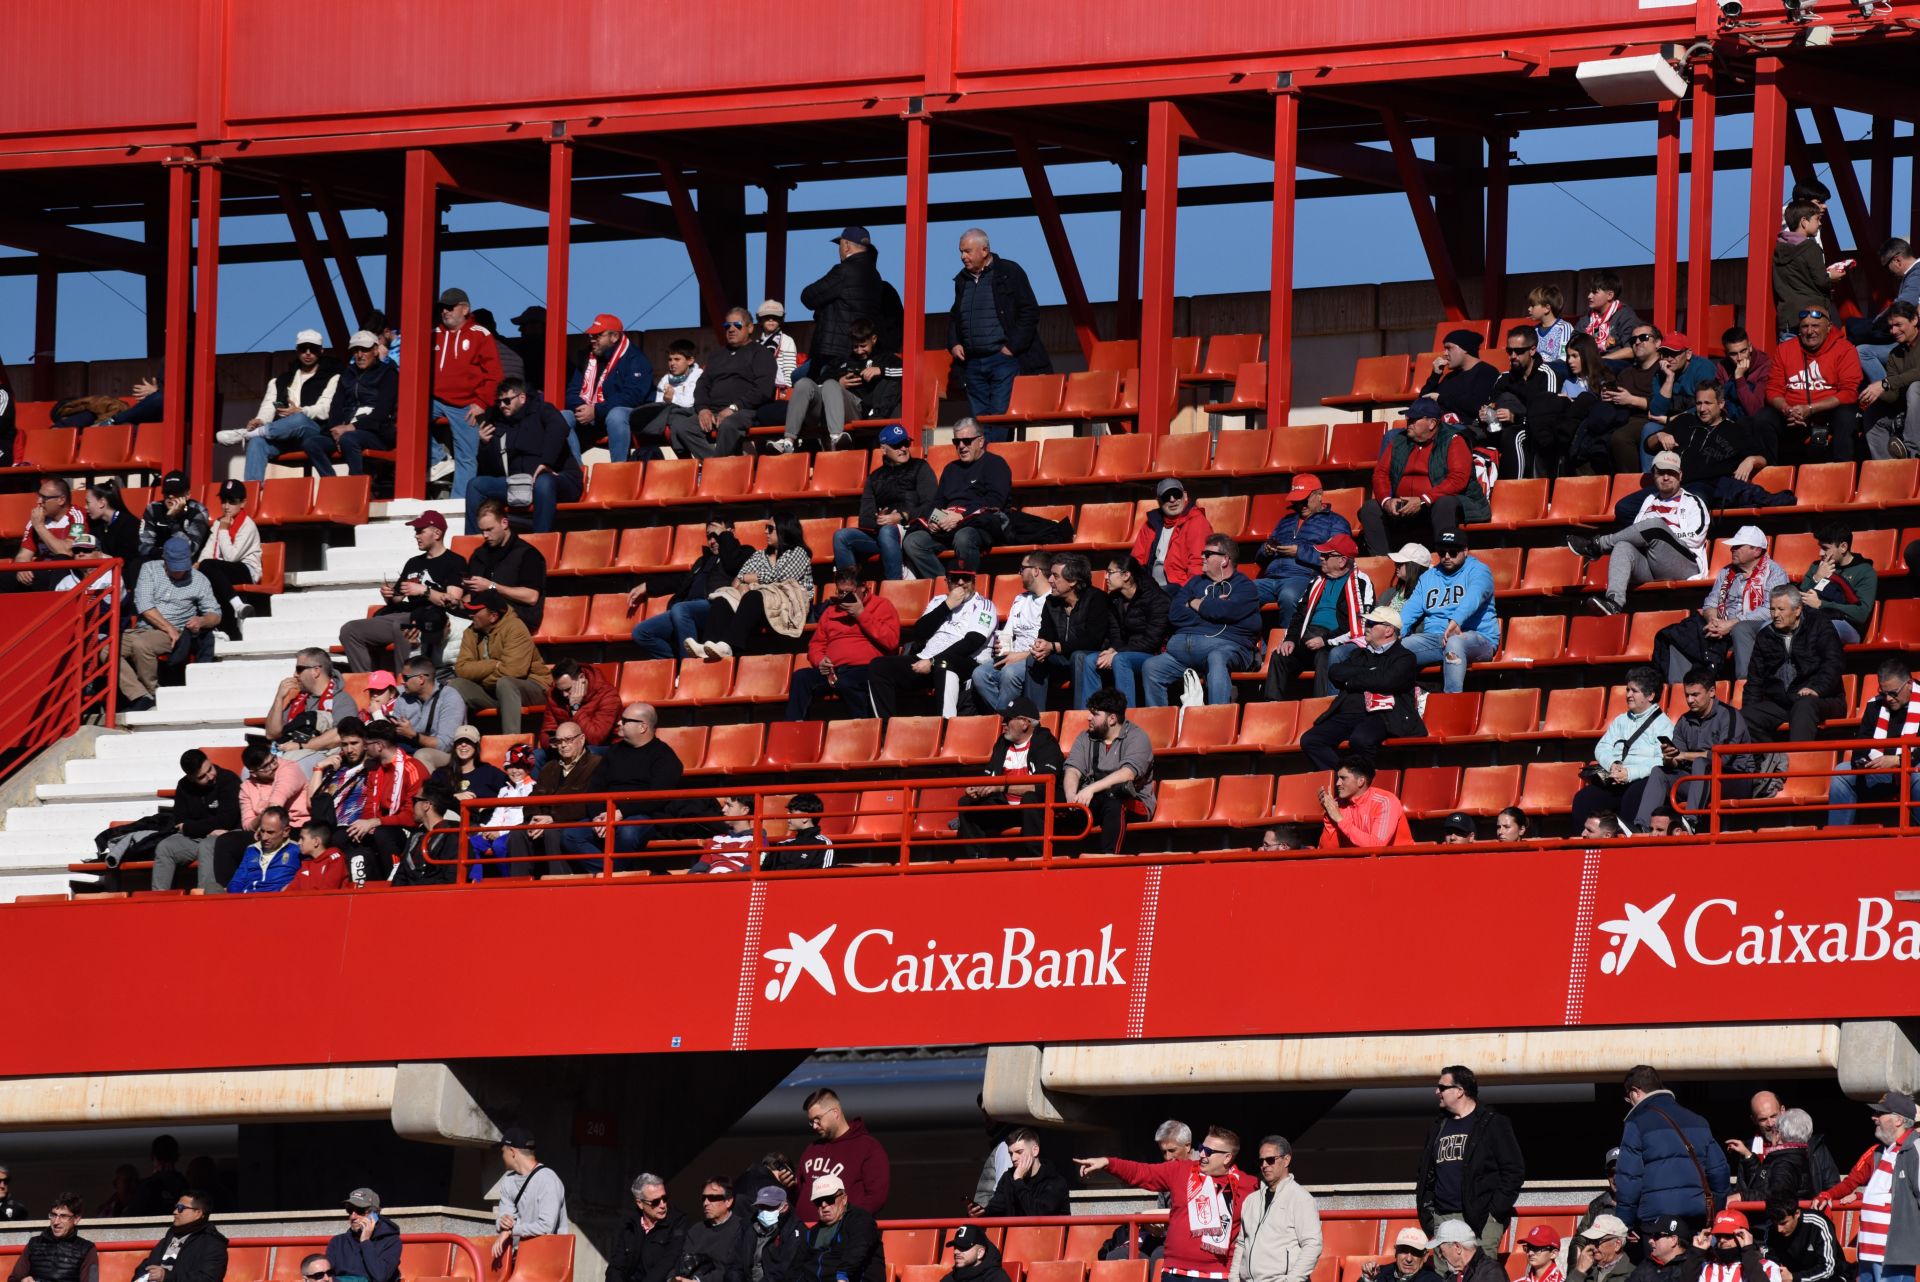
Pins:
<point x="1221" y="249"/>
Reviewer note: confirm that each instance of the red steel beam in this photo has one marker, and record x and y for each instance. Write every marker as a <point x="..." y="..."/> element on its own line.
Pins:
<point x="713" y="295"/>
<point x="340" y="245"/>
<point x="1061" y="248"/>
<point x="1700" y="206"/>
<point x="1880" y="193"/>
<point x="178" y="378"/>
<point x="1286" y="144"/>
<point x="307" y="245"/>
<point x="1666" y="218"/>
<point x="206" y="312"/>
<point x="1493" y="282"/>
<point x="1868" y="277"/>
<point x="46" y="315"/>
<point x="1127" y="281"/>
<point x="559" y="261"/>
<point x="420" y="225"/>
<point x="775" y="256"/>
<point x="1414" y="183"/>
<point x="1770" y="116"/>
<point x="913" y="262"/>
<point x="1166" y="126"/>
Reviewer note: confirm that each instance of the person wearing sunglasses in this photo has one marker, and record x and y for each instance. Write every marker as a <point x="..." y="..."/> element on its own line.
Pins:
<point x="1813" y="392"/>
<point x="368" y="1250"/>
<point x="527" y="456"/>
<point x="297" y="404"/>
<point x="1471" y="1168"/>
<point x="735" y="381"/>
<point x="466" y="376"/>
<point x="650" y="1240"/>
<point x="1172" y="540"/>
<point x="970" y="505"/>
<point x="719" y="1248"/>
<point x="191" y="1250"/>
<point x="846" y="1240"/>
<point x="1206" y="1198"/>
<point x="1525" y="417"/>
<point x="51" y="525"/>
<point x="1280" y="1239"/>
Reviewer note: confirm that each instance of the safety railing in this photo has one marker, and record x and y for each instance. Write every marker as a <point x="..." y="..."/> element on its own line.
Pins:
<point x="60" y="654"/>
<point x="1884" y="794"/>
<point x="477" y="1262"/>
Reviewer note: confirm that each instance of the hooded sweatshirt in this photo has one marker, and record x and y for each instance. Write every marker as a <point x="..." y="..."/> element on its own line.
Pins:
<point x="466" y="365"/>
<point x="857" y="1158"/>
<point x="377" y="1259"/>
<point x="1802" y="377"/>
<point x="1799" y="277"/>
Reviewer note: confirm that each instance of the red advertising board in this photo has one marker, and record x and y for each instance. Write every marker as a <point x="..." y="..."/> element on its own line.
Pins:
<point x="1621" y="935"/>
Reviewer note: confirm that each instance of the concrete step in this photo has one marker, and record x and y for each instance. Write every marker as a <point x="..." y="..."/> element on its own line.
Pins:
<point x="78" y="822"/>
<point x="163" y="745"/>
<point x="12" y="887"/>
<point x="44" y="850"/>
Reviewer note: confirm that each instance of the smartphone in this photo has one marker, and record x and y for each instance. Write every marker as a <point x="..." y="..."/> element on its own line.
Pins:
<point x="1666" y="743"/>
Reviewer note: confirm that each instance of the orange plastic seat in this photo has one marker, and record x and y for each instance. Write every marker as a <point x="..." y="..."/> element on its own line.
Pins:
<point x="909" y="598"/>
<point x="1550" y="786"/>
<point x="703" y="681"/>
<point x="840" y="473"/>
<point x="1533" y="638"/>
<point x="1226" y="353"/>
<point x="1031" y="1244"/>
<point x="1487" y="790"/>
<point x="1296" y="449"/>
<point x="1022" y="459"/>
<point x="1033" y="399"/>
<point x="855" y="742"/>
<point x="668" y="481"/>
<point x="1451" y="716"/>
<point x="905" y="1247"/>
<point x="1887" y="482"/>
<point x="15" y="511"/>
<point x="760" y="678"/>
<point x="1483" y="328"/>
<point x="780" y="476"/>
<point x="1122" y="456"/>
<point x="105" y="448"/>
<point x="1181" y="801"/>
<point x="1265" y="512"/>
<point x="1355" y="447"/>
<point x="908" y="741"/>
<point x="1108" y="354"/>
<point x="284" y="500"/>
<point x="1241" y="801"/>
<point x="1065" y="460"/>
<point x="793" y="743"/>
<point x="547" y="1258"/>
<point x="338" y="500"/>
<point x="610" y="485"/>
<point x="1429" y="790"/>
<point x="1899" y="625"/>
<point x="1207" y="728"/>
<point x="565" y="620"/>
<point x="1296" y="797"/>
<point x="733" y="748"/>
<point x="1185" y="351"/>
<point x="1225" y="513"/>
<point x="586" y="552"/>
<point x="1377" y="380"/>
<point x="1161" y="725"/>
<point x="970" y="739"/>
<point x="1182" y="454"/>
<point x="1508" y="711"/>
<point x="1590" y="637"/>
<point x="1550" y="570"/>
<point x="1102" y="525"/>
<point x="1823" y="486"/>
<point x="1575" y="500"/>
<point x="1515" y="501"/>
<point x="273" y="572"/>
<point x="1241" y="453"/>
<point x="689" y="541"/>
<point x="1091" y="392"/>
<point x="1083" y="1246"/>
<point x="689" y="743"/>
<point x="547" y="545"/>
<point x="1878" y="546"/>
<point x="1249" y="395"/>
<point x="1270" y="726"/>
<point x="1646" y="625"/>
<point x="1505" y="565"/>
<point x="609" y="617"/>
<point x="646" y="681"/>
<point x="725" y="479"/>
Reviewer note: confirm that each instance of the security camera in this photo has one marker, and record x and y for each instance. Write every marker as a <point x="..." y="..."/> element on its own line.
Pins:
<point x="1799" y="10"/>
<point x="1868" y="8"/>
<point x="1731" y="10"/>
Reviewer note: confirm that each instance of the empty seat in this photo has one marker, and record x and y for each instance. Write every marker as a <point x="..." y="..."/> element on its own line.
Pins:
<point x="704" y="681"/>
<point x="1534" y="638"/>
<point x="1887" y="482"/>
<point x="284" y="500"/>
<point x="1249" y="395"/>
<point x="780" y="476"/>
<point x="793" y="743"/>
<point x="1122" y="456"/>
<point x="565" y="620"/>
<point x="1269" y="726"/>
<point x="610" y="485"/>
<point x="1241" y="453"/>
<point x="1820" y="486"/>
<point x="905" y="1247"/>
<point x="733" y="748"/>
<point x="760" y="678"/>
<point x="668" y="481"/>
<point x="1181" y="801"/>
<point x="1508" y="712"/>
<point x="1451" y="716"/>
<point x="1550" y="786"/>
<point x="586" y="552"/>
<point x="1102" y="525"/>
<point x="970" y="739"/>
<point x="1091" y="393"/>
<point x="840" y="473"/>
<point x="609" y="617"/>
<point x="1226" y="353"/>
<point x="1030" y="1243"/>
<point x="1429" y="790"/>
<point x="851" y="742"/>
<point x="1590" y="638"/>
<point x="1182" y="454"/>
<point x="1487" y="790"/>
<point x="645" y="548"/>
<point x="646" y="681"/>
<point x="908" y="741"/>
<point x="1034" y="398"/>
<point x="1241" y="801"/>
<point x="1206" y="728"/>
<point x="1065" y="460"/>
<point x="1514" y="501"/>
<point x="1296" y="449"/>
<point x="1377" y="380"/>
<point x="1355" y="447"/>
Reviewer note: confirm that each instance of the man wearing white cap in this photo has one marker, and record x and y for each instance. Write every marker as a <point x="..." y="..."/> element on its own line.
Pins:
<point x="1729" y="619"/>
<point x="1410" y="1264"/>
<point x="297" y="404"/>
<point x="1600" y="1252"/>
<point x="845" y="1242"/>
<point x="1459" y="1249"/>
<point x="364" y="404"/>
<point x="1663" y="535"/>
<point x="1375" y="700"/>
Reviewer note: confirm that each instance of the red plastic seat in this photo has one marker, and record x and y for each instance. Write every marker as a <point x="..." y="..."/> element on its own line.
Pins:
<point x="841" y="473"/>
<point x="780" y="476"/>
<point x="1122" y="456"/>
<point x="760" y="678"/>
<point x="1590" y="638"/>
<point x="1429" y="790"/>
<point x="1225" y="513"/>
<point x="1033" y="1244"/>
<point x="1451" y="716"/>
<point x="704" y="681"/>
<point x="1575" y="500"/>
<point x="105" y="448"/>
<point x="1035" y="397"/>
<point x="338" y="500"/>
<point x="1377" y="380"/>
<point x="1296" y="797"/>
<point x="284" y="500"/>
<point x="1515" y="501"/>
<point x="1182" y="454"/>
<point x="1241" y="453"/>
<point x="905" y="1247"/>
<point x="645" y="548"/>
<point x="908" y="741"/>
<point x="273" y="572"/>
<point x="609" y="617"/>
<point x="1899" y="625"/>
<point x="1487" y="790"/>
<point x="1505" y="565"/>
<point x="1270" y="726"/>
<point x="1354" y="447"/>
<point x="1109" y="354"/>
<point x="689" y="743"/>
<point x="610" y="485"/>
<point x="1092" y="392"/>
<point x="1550" y="786"/>
<point x="1241" y="801"/>
<point x="1534" y="638"/>
<point x="909" y="598"/>
<point x="1206" y="728"/>
<point x="725" y="479"/>
<point x="1550" y="570"/>
<point x="1823" y="486"/>
<point x="793" y="743"/>
<point x="1887" y="482"/>
<point x="1249" y="395"/>
<point x="732" y="749"/>
<point x="646" y="681"/>
<point x="586" y="552"/>
<point x="1180" y="801"/>
<point x="970" y="739"/>
<point x="1102" y="525"/>
<point x="668" y="481"/>
<point x="1507" y="712"/>
<point x="564" y="620"/>
<point x="1226" y="353"/>
<point x="1296" y="449"/>
<point x="1065" y="460"/>
<point x="854" y="742"/>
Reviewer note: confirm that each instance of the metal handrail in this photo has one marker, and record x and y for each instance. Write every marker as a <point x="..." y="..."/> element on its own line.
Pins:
<point x="61" y="657"/>
<point x="1717" y="776"/>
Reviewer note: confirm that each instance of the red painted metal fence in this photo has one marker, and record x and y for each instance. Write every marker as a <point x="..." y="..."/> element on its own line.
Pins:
<point x="60" y="653"/>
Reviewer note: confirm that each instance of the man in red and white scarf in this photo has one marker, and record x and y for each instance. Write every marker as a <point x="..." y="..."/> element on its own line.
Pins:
<point x="1887" y="1176"/>
<point x="1664" y="537"/>
<point x="1203" y="1210"/>
<point x="1732" y="1253"/>
<point x="1731" y="616"/>
<point x="608" y="349"/>
<point x="394" y="779"/>
<point x="1894" y="715"/>
<point x="1340" y="597"/>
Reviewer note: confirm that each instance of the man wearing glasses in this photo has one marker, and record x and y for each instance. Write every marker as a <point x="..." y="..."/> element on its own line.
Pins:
<point x="466" y="375"/>
<point x="1206" y="1198"/>
<point x="368" y="1251"/>
<point x="735" y="382"/>
<point x="524" y="441"/>
<point x="651" y="1240"/>
<point x="1423" y="483"/>
<point x="1280" y="1237"/>
<point x="1814" y="389"/>
<point x="192" y="1249"/>
<point x="297" y="404"/>
<point x="844" y="1150"/>
<point x="51" y="525"/>
<point x="57" y="1253"/>
<point x="1215" y="618"/>
<point x="1525" y="414"/>
<point x="969" y="506"/>
<point x="720" y="1247"/>
<point x="1471" y="1168"/>
<point x="845" y="1242"/>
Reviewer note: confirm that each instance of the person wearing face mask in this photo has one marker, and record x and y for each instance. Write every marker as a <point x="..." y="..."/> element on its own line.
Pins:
<point x="779" y="1238"/>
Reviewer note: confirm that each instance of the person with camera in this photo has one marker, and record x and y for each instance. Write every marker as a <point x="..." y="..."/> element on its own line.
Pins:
<point x="1627" y="753"/>
<point x="413" y="611"/>
<point x="720" y="1247"/>
<point x="857" y="626"/>
<point x="846" y="1240"/>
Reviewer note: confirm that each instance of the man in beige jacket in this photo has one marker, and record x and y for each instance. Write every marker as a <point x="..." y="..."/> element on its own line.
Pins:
<point x="1279" y="1228"/>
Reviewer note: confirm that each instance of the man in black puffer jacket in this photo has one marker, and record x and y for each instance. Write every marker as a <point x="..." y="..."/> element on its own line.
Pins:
<point x="975" y="1259"/>
<point x="850" y="291"/>
<point x="1794" y="674"/>
<point x="846" y="1241"/>
<point x="192" y="1249"/>
<point x="58" y="1253"/>
<point x="522" y="435"/>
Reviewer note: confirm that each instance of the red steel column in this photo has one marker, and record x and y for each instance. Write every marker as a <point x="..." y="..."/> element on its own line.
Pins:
<point x="300" y="223"/>
<point x="420" y="221"/>
<point x="913" y="263"/>
<point x="1127" y="279"/>
<point x="178" y="380"/>
<point x="1763" y="199"/>
<point x="1165" y="127"/>
<point x="46" y="316"/>
<point x="559" y="261"/>
<point x="1700" y="208"/>
<point x="206" y="310"/>
<point x="1286" y="153"/>
<point x="1666" y="220"/>
<point x="1493" y="283"/>
<point x="776" y="249"/>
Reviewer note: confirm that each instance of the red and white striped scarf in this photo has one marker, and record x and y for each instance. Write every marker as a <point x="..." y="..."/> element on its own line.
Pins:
<point x="1876" y="1203"/>
<point x="1350" y="590"/>
<point x="1599" y="325"/>
<point x="1714" y="1271"/>
<point x="1753" y="596"/>
<point x="1910" y="728"/>
<point x="594" y="379"/>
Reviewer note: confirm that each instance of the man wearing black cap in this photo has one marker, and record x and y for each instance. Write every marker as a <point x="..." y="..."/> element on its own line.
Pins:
<point x="369" y="1250"/>
<point x="1457" y="829"/>
<point x="414" y="609"/>
<point x="850" y="291"/>
<point x="779" y="1237"/>
<point x="975" y="1257"/>
<point x="1460" y="380"/>
<point x="1671" y="1255"/>
<point x="533" y="1200"/>
<point x="1423" y="483"/>
<point x="174" y="511"/>
<point x="1025" y="749"/>
<point x="993" y="328"/>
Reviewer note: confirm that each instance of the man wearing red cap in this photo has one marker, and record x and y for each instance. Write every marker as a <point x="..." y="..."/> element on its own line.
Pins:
<point x="617" y="379"/>
<point x="1732" y="1254"/>
<point x="1291" y="554"/>
<point x="413" y="613"/>
<point x="466" y="372"/>
<point x="1330" y="613"/>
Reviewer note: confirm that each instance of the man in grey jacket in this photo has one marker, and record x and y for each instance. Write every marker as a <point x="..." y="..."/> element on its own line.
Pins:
<point x="533" y="1200"/>
<point x="1279" y="1228"/>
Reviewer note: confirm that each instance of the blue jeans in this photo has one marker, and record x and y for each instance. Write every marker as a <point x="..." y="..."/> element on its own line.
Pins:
<point x="851" y="547"/>
<point x="1453" y="655"/>
<point x="619" y="433"/>
<point x="665" y="636"/>
<point x="283" y="435"/>
<point x="147" y="409"/>
<point x="999" y="687"/>
<point x="1125" y="671"/>
<point x="353" y="448"/>
<point x="1876" y="1271"/>
<point x="466" y="445"/>
<point x="989" y="381"/>
<point x="1873" y="360"/>
<point x="1284" y="590"/>
<point x="1216" y="658"/>
<point x="1847" y="790"/>
<point x="549" y="488"/>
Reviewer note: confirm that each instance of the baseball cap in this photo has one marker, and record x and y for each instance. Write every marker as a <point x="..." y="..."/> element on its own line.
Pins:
<point x="894" y="435"/>
<point x="1666" y="461"/>
<point x="770" y="1197"/>
<point x="175" y="483"/>
<point x="1304" y="483"/>
<point x="1747" y="536"/>
<point x="827" y="1186"/>
<point x="1604" y="1226"/>
<point x="968" y="1236"/>
<point x="771" y="307"/>
<point x="233" y="491"/>
<point x="1381" y="614"/>
<point x="1021" y="707"/>
<point x="1727" y="1223"/>
<point x="1451" y="540"/>
<point x="363" y="1200"/>
<point x="533" y="313"/>
<point x="1172" y="484"/>
<point x="1896" y="1103"/>
<point x="1425" y="407"/>
<point x="1411" y="554"/>
<point x="1675" y="341"/>
<point x="83" y="540"/>
<point x="381" y="679"/>
<point x="1540" y="1235"/>
<point x="1413" y="1238"/>
<point x="1666" y="1226"/>
<point x="517" y="1137"/>
<point x="429" y="519"/>
<point x="309" y="338"/>
<point x="470" y="733"/>
<point x="178" y="554"/>
<point x="489" y="600"/>
<point x="1613" y="1157"/>
<point x="858" y="235"/>
<point x="362" y="340"/>
<point x="1456" y="1232"/>
<point x="605" y="322"/>
<point x="1340" y="543"/>
<point x="453" y="297"/>
<point x="1463" y="823"/>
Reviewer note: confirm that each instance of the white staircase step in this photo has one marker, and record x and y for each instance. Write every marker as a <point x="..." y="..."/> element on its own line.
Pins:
<point x="77" y="822"/>
<point x="164" y="745"/>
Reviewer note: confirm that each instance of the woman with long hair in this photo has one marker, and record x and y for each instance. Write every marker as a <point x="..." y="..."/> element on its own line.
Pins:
<point x="770" y="596"/>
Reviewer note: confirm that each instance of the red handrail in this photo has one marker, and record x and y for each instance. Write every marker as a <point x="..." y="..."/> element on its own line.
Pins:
<point x="61" y="657"/>
<point x="453" y="1239"/>
<point x="1719" y="806"/>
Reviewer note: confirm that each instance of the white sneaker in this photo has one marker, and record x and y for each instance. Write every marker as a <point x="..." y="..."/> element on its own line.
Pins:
<point x="719" y="650"/>
<point x="841" y="441"/>
<point x="441" y="471"/>
<point x="782" y="446"/>
<point x="241" y="608"/>
<point x="695" y="650"/>
<point x="231" y="436"/>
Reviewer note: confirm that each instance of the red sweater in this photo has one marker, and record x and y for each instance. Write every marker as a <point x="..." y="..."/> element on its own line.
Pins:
<point x="1800" y="377"/>
<point x="1414" y="481"/>
<point x="853" y="642"/>
<point x="392" y="788"/>
<point x="597" y="714"/>
<point x="466" y="365"/>
<point x="1374" y="818"/>
<point x="1185" y="1251"/>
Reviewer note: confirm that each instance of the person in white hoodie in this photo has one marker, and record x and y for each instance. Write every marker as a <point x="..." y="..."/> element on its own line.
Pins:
<point x="232" y="556"/>
<point x="1003" y="677"/>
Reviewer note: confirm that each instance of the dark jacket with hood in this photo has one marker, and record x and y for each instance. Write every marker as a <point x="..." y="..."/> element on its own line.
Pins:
<point x="1795" y="1172"/>
<point x="1042" y="1193"/>
<point x="850" y="1247"/>
<point x="710" y="571"/>
<point x="198" y="1254"/>
<point x="642" y="1256"/>
<point x="1139" y="624"/>
<point x="1684" y="1267"/>
<point x="907" y="488"/>
<point x="375" y="390"/>
<point x="989" y="1269"/>
<point x="1016" y="307"/>
<point x="377" y="1259"/>
<point x="851" y="290"/>
<point x="1492" y="1168"/>
<point x="532" y="437"/>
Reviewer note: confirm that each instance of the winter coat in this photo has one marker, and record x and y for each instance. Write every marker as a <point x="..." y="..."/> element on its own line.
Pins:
<point x="878" y="397"/>
<point x="1810" y="1252"/>
<point x="907" y="487"/>
<point x="367" y="401"/>
<point x="1185" y="1252"/>
<point x="1229" y="609"/>
<point x="506" y="651"/>
<point x="466" y="365"/>
<point x="597" y="714"/>
<point x="1305" y="533"/>
<point x="1461" y="393"/>
<point x="1045" y="1191"/>
<point x="987" y="1269"/>
<point x="1083" y="627"/>
<point x="720" y="1253"/>
<point x="852" y="1249"/>
<point x="1849" y="593"/>
<point x="1280" y="1243"/>
<point x="629" y="383"/>
<point x="1539" y="410"/>
<point x="1482" y="1268"/>
<point x="1709" y="453"/>
<point x="377" y="1259"/>
<point x="850" y="642"/>
<point x="201" y="1257"/>
<point x="860" y="1162"/>
<point x="1656" y="1176"/>
<point x="1393" y="671"/>
<point x="534" y="436"/>
<point x="642" y="1256"/>
<point x="1140" y="624"/>
<point x="780" y="1252"/>
<point x="1817" y="655"/>
<point x="1492" y="1169"/>
<point x="1800" y="278"/>
<point x="740" y="376"/>
<point x="1191" y="530"/>
<point x="1448" y="462"/>
<point x="1018" y="310"/>
<point x="851" y="290"/>
<point x="1684" y="1267"/>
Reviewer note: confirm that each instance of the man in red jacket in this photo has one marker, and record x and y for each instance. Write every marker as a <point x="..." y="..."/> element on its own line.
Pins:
<point x="843" y="1149"/>
<point x="855" y="628"/>
<point x="1204" y="1199"/>
<point x="466" y="372"/>
<point x="1814" y="388"/>
<point x="394" y="779"/>
<point x="585" y="694"/>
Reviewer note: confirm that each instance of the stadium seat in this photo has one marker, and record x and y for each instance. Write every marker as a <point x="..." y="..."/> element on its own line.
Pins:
<point x="841" y="473"/>
<point x="780" y="476"/>
<point x="1091" y="394"/>
<point x="689" y="743"/>
<point x="1263" y="513"/>
<point x="1083" y="1241"/>
<point x="1429" y="790"/>
<point x="1065" y="460"/>
<point x="1205" y="728"/>
<point x="793" y="743"/>
<point x="909" y="741"/>
<point x="645" y="548"/>
<point x="924" y="1272"/>
<point x="1484" y="328"/>
<point x="284" y="500"/>
<point x="668" y="481"/>
<point x="1550" y="786"/>
<point x="1161" y="725"/>
<point x="1296" y="449"/>
<point x="1072" y="1269"/>
<point x="1241" y="452"/>
<point x="1249" y="395"/>
<point x="1117" y="1271"/>
<point x="1269" y="726"/>
<point x="854" y="742"/>
<point x="51" y="448"/>
<point x="1297" y="796"/>
<point x="1487" y="790"/>
<point x="1030" y="1243"/>
<point x="1226" y="353"/>
<point x="1034" y="398"/>
<point x="337" y="500"/>
<point x="1591" y="638"/>
<point x="1122" y="457"/>
<point x="1240" y="801"/>
<point x="1646" y="625"/>
<point x="104" y="449"/>
<point x="690" y="541"/>
<point x="1809" y="774"/>
<point x="1575" y="500"/>
<point x="609" y="617"/>
<point x="1110" y="354"/>
<point x="1183" y="454"/>
<point x="1226" y="513"/>
<point x="1899" y="627"/>
<point x="760" y="678"/>
<point x="879" y="814"/>
<point x="704" y="680"/>
<point x="1881" y="547"/>
<point x="909" y="598"/>
<point x="1550" y="570"/>
<point x="548" y="545"/>
<point x="970" y="740"/>
<point x="1507" y="712"/>
<point x="1515" y="501"/>
<point x="610" y="485"/>
<point x="1181" y="801"/>
<point x="1887" y="482"/>
<point x="646" y="681"/>
<point x="1823" y="487"/>
<point x="1104" y="525"/>
<point x="546" y="1258"/>
<point x="1529" y="639"/>
<point x="1505" y="564"/>
<point x="1354" y="447"/>
<point x="15" y="511"/>
<point x="733" y="749"/>
<point x="906" y="1247"/>
<point x="1450" y="716"/>
<point x="1022" y="459"/>
<point x="273" y="572"/>
<point x="1185" y="351"/>
<point x="564" y="620"/>
<point x="586" y="552"/>
<point x="1377" y="381"/>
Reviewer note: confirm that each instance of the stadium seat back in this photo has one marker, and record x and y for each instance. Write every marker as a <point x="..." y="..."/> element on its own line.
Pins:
<point x="1205" y="727"/>
<point x="1270" y="725"/>
<point x="1092" y="390"/>
<point x="968" y="740"/>
<point x="840" y="473"/>
<point x="1505" y="565"/>
<point x="1161" y="725"/>
<point x="1533" y="636"/>
<point x="1242" y="453"/>
<point x="669" y="481"/>
<point x="565" y="619"/>
<point x="1487" y="790"/>
<point x="1592" y="637"/>
<point x="1104" y="525"/>
<point x="546" y="1258"/>
<point x="1451" y="716"/>
<point x="1355" y="447"/>
<point x="704" y="680"/>
<point x="793" y="743"/>
<point x="780" y="476"/>
<point x="1549" y="787"/>
<point x="1114" y="354"/>
<point x="1887" y="482"/>
<point x="1226" y="353"/>
<point x="649" y="546"/>
<point x="284" y="500"/>
<point x="1519" y="500"/>
<point x="852" y="742"/>
<point x="1242" y="801"/>
<point x="1576" y="713"/>
<point x="1183" y="801"/>
<point x="1031" y="1243"/>
<point x="1035" y="395"/>
<point x="1122" y="456"/>
<point x="612" y="484"/>
<point x="586" y="551"/>
<point x="1066" y="459"/>
<point x="1819" y="486"/>
<point x="1508" y="711"/>
<point x="1296" y="449"/>
<point x="906" y="1247"/>
<point x="760" y="678"/>
<point x="1576" y="498"/>
<point x="689" y="743"/>
<point x="1226" y="513"/>
<point x="1083" y="1240"/>
<point x="1297" y="796"/>
<point x="1429" y="790"/>
<point x="733" y="748"/>
<point x="1182" y="454"/>
<point x="908" y="740"/>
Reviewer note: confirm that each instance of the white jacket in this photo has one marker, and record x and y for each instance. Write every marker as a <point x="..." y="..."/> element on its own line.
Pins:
<point x="1686" y="516"/>
<point x="242" y="545"/>
<point x="1281" y="1244"/>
